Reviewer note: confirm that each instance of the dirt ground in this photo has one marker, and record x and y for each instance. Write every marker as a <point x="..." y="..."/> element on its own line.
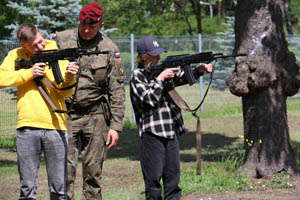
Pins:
<point x="288" y="194"/>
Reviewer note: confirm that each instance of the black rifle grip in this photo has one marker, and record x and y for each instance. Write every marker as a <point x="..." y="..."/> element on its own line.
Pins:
<point x="56" y="72"/>
<point x="189" y="74"/>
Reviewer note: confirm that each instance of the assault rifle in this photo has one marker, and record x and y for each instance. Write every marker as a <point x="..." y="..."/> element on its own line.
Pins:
<point x="51" y="58"/>
<point x="185" y="60"/>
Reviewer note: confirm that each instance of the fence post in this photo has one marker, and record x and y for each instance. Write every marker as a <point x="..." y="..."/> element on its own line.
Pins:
<point x="132" y="64"/>
<point x="201" y="78"/>
<point x="132" y="51"/>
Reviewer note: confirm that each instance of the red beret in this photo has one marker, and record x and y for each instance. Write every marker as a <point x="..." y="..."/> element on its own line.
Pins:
<point x="93" y="11"/>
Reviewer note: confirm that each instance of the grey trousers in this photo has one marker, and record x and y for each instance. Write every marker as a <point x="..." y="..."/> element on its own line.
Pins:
<point x="31" y="142"/>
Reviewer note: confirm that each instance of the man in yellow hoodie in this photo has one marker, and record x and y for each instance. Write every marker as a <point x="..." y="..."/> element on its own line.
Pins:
<point x="39" y="128"/>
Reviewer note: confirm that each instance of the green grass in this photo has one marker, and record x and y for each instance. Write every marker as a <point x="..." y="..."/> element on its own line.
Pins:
<point x="221" y="154"/>
<point x="216" y="177"/>
<point x="8" y="167"/>
<point x="8" y="142"/>
<point x="222" y="174"/>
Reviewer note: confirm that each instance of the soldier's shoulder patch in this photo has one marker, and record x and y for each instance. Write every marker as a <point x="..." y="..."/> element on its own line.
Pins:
<point x="117" y="55"/>
<point x="121" y="70"/>
<point x="53" y="36"/>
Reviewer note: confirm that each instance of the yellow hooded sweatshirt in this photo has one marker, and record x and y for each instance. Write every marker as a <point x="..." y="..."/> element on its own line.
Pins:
<point x="33" y="109"/>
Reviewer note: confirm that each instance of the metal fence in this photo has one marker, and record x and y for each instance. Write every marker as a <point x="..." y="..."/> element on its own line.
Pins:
<point x="127" y="44"/>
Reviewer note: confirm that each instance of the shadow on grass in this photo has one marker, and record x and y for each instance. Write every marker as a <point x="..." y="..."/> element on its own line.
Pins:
<point x="215" y="147"/>
<point x="7" y="163"/>
<point x="128" y="146"/>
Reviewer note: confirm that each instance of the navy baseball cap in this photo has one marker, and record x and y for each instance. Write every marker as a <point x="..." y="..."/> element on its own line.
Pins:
<point x="150" y="46"/>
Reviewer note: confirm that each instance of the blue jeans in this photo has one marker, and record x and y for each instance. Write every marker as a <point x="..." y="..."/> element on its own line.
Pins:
<point x="160" y="160"/>
<point x="31" y="142"/>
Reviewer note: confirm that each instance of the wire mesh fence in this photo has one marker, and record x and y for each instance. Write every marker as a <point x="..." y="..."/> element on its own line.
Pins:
<point x="8" y="112"/>
<point x="127" y="44"/>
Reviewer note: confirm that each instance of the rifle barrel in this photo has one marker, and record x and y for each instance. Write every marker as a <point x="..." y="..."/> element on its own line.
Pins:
<point x="227" y="56"/>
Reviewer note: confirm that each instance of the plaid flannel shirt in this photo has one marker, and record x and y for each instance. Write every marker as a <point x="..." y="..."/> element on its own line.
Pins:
<point x="154" y="109"/>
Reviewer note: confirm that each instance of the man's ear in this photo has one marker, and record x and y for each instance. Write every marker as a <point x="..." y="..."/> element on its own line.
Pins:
<point x="22" y="45"/>
<point x="25" y="47"/>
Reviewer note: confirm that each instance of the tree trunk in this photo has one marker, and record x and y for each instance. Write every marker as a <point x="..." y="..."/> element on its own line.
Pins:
<point x="197" y="11"/>
<point x="221" y="9"/>
<point x="264" y="79"/>
<point x="185" y="15"/>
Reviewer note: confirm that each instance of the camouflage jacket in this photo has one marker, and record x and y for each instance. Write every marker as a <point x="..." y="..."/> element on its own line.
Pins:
<point x="101" y="75"/>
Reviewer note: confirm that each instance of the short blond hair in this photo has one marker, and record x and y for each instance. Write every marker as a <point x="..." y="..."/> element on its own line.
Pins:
<point x="26" y="32"/>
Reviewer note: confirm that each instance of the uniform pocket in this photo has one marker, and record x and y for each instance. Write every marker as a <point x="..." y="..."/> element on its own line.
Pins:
<point x="99" y="69"/>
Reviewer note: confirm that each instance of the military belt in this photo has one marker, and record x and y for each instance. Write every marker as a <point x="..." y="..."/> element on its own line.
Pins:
<point x="94" y="108"/>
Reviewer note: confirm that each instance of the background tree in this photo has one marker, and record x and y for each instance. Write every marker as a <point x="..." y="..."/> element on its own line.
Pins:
<point x="223" y="6"/>
<point x="221" y="9"/>
<point x="164" y="17"/>
<point x="295" y="15"/>
<point x="287" y="17"/>
<point x="8" y="16"/>
<point x="153" y="17"/>
<point x="264" y="80"/>
<point x="48" y="15"/>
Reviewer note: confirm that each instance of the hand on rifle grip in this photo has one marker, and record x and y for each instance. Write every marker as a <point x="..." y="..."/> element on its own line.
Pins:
<point x="73" y="68"/>
<point x="168" y="73"/>
<point x="38" y="69"/>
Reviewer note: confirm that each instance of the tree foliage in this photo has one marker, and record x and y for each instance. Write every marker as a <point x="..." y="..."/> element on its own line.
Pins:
<point x="8" y="16"/>
<point x="295" y="15"/>
<point x="48" y="15"/>
<point x="166" y="17"/>
<point x="152" y="17"/>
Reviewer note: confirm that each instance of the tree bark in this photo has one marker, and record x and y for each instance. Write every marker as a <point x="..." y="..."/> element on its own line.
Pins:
<point x="264" y="79"/>
<point x="221" y="9"/>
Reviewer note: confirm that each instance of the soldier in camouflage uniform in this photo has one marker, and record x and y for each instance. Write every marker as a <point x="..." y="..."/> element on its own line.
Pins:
<point x="98" y="104"/>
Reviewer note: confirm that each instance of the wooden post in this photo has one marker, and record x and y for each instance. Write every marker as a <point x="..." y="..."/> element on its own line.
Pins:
<point x="198" y="146"/>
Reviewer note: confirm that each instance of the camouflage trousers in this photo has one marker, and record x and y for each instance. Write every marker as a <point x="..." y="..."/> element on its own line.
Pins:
<point x="87" y="135"/>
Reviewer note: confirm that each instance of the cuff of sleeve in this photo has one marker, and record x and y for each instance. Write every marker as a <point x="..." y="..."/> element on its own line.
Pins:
<point x="159" y="82"/>
<point x="70" y="78"/>
<point x="197" y="74"/>
<point x="116" y="126"/>
<point x="26" y="73"/>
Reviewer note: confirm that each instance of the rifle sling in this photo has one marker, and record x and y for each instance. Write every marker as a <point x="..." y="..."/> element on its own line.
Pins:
<point x="178" y="100"/>
<point x="46" y="96"/>
<point x="54" y="87"/>
<point x="184" y="106"/>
